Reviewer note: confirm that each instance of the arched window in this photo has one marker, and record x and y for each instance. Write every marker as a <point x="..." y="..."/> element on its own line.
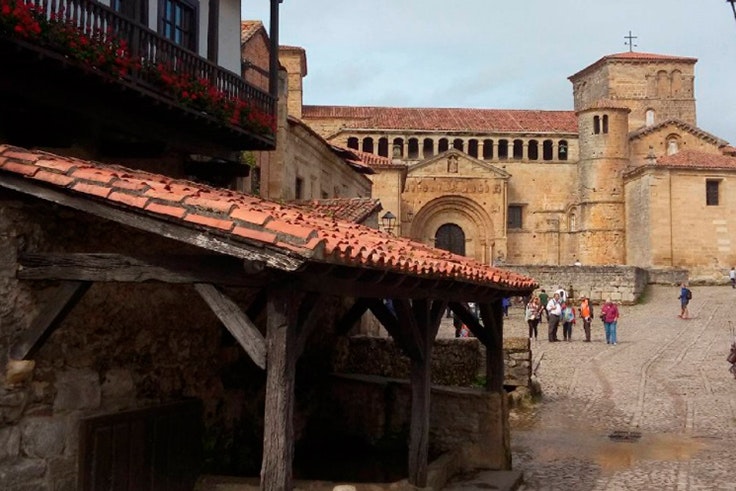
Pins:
<point x="383" y="147"/>
<point x="353" y="143"/>
<point x="450" y="237"/>
<point x="487" y="149"/>
<point x="547" y="153"/>
<point x="676" y="82"/>
<point x="596" y="124"/>
<point x="368" y="144"/>
<point x="473" y="148"/>
<point x="572" y="222"/>
<point x="413" y="150"/>
<point x="533" y="150"/>
<point x="650" y="117"/>
<point x="673" y="144"/>
<point x="605" y="123"/>
<point x="398" y="151"/>
<point x="518" y="149"/>
<point x="428" y="148"/>
<point x="443" y="145"/>
<point x="663" y="84"/>
<point x="458" y="144"/>
<point x="562" y="150"/>
<point x="503" y="149"/>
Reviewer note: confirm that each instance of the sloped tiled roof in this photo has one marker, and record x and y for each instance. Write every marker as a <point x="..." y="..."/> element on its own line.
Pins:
<point x="633" y="56"/>
<point x="354" y="210"/>
<point x="606" y="104"/>
<point x="696" y="159"/>
<point x="447" y="119"/>
<point x="682" y="125"/>
<point x="248" y="28"/>
<point x="243" y="220"/>
<point x="372" y="160"/>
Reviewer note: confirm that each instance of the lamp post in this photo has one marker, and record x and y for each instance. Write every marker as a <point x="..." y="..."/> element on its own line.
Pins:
<point x="388" y="220"/>
<point x="733" y="6"/>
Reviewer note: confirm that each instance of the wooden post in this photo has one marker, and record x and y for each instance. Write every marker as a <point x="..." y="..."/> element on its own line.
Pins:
<point x="425" y="323"/>
<point x="278" y="430"/>
<point x="492" y="315"/>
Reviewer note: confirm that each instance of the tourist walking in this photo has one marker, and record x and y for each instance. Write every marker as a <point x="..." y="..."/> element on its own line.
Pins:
<point x="505" y="304"/>
<point x="685" y="296"/>
<point x="532" y="315"/>
<point x="543" y="299"/>
<point x="586" y="314"/>
<point x="609" y="314"/>
<point x="568" y="319"/>
<point x="554" y="312"/>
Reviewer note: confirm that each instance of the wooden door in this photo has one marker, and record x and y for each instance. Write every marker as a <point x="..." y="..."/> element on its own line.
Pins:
<point x="450" y="237"/>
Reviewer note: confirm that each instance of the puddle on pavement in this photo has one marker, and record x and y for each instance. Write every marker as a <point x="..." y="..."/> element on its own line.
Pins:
<point x="561" y="435"/>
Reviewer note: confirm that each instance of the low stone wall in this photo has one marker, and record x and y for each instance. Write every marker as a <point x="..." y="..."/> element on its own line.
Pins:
<point x="456" y="362"/>
<point x="622" y="284"/>
<point x="468" y="421"/>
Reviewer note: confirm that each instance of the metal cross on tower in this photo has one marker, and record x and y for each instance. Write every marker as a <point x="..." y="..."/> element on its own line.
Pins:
<point x="630" y="41"/>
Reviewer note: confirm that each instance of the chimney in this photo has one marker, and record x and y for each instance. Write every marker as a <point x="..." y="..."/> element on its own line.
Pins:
<point x="294" y="60"/>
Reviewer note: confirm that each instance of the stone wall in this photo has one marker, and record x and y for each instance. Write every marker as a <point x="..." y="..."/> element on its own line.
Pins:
<point x="622" y="284"/>
<point x="470" y="421"/>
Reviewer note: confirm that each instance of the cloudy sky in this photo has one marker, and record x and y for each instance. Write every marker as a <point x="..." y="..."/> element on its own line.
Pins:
<point x="499" y="54"/>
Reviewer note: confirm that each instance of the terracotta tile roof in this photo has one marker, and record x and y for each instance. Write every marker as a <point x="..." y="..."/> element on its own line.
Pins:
<point x="633" y="56"/>
<point x="681" y="125"/>
<point x="355" y="210"/>
<point x="247" y="220"/>
<point x="372" y="160"/>
<point x="728" y="150"/>
<point x="248" y="28"/>
<point x="697" y="159"/>
<point x="447" y="119"/>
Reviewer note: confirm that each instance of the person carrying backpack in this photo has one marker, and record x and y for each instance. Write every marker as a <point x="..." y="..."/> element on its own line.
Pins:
<point x="568" y="319"/>
<point x="685" y="296"/>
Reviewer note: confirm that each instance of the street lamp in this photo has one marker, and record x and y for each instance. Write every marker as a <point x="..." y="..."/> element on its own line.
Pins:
<point x="388" y="220"/>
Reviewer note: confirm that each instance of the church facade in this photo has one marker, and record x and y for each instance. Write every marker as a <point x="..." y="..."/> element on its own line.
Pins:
<point x="626" y="178"/>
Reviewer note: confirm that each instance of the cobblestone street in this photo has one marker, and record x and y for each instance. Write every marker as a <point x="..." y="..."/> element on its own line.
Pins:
<point x="667" y="380"/>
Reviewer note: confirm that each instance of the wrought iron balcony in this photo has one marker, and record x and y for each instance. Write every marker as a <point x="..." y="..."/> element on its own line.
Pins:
<point x="85" y="50"/>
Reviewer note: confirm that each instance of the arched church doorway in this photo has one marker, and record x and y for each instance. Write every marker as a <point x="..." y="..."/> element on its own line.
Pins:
<point x="450" y="237"/>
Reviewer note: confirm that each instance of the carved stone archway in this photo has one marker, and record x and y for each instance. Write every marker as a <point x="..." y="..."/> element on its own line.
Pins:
<point x="467" y="214"/>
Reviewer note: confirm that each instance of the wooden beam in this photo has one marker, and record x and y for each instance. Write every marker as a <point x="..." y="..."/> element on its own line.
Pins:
<point x="206" y="239"/>
<point x="389" y="321"/>
<point x="492" y="315"/>
<point x="66" y="296"/>
<point x="410" y="331"/>
<point x="471" y="321"/>
<point x="278" y="428"/>
<point x="98" y="267"/>
<point x="353" y="315"/>
<point x="310" y="311"/>
<point x="239" y="325"/>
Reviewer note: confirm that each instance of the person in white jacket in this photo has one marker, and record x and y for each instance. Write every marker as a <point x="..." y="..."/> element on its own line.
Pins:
<point x="554" y="311"/>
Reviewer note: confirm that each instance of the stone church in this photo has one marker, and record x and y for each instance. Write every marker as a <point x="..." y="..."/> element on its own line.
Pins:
<point x="626" y="178"/>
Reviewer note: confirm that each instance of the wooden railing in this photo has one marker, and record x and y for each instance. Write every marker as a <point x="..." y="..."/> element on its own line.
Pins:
<point x="149" y="49"/>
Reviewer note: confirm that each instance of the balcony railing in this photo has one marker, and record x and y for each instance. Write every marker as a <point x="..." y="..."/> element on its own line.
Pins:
<point x="95" y="35"/>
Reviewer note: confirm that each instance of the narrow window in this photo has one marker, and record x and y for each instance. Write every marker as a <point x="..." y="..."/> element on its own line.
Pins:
<point x="353" y="143"/>
<point x="398" y="148"/>
<point x="547" y="150"/>
<point x="178" y="22"/>
<point x="503" y="149"/>
<point x="487" y="149"/>
<point x="443" y="145"/>
<point x="596" y="124"/>
<point x="514" y="217"/>
<point x="368" y="145"/>
<point x="605" y="123"/>
<point x="712" y="188"/>
<point x="473" y="148"/>
<point x="428" y="148"/>
<point x="383" y="147"/>
<point x="518" y="149"/>
<point x="299" y="188"/>
<point x="673" y="146"/>
<point x="562" y="150"/>
<point x="533" y="150"/>
<point x="650" y="117"/>
<point x="413" y="150"/>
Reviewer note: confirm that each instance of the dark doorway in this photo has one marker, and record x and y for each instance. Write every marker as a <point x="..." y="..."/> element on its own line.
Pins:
<point x="450" y="237"/>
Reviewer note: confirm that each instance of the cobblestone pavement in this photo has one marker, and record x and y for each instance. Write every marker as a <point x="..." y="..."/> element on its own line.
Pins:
<point x="667" y="379"/>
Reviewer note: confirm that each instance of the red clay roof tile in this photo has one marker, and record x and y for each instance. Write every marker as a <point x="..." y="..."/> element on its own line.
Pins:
<point x="696" y="159"/>
<point x="313" y="236"/>
<point x="447" y="119"/>
<point x="349" y="209"/>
